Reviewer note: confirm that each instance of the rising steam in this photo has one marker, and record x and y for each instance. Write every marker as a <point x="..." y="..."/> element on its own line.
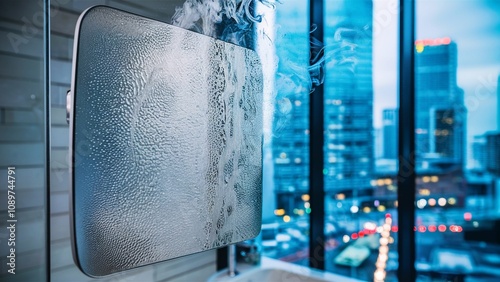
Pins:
<point x="238" y="21"/>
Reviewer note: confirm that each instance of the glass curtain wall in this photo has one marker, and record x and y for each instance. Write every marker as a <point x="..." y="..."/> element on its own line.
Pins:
<point x="360" y="151"/>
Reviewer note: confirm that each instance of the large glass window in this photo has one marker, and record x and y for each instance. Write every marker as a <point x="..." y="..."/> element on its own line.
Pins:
<point x="457" y="67"/>
<point x="360" y="149"/>
<point x="456" y="139"/>
<point x="286" y="199"/>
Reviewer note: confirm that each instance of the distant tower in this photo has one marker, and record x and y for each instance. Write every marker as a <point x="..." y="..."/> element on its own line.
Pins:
<point x="493" y="152"/>
<point x="447" y="129"/>
<point x="349" y="137"/>
<point x="498" y="104"/>
<point x="290" y="149"/>
<point x="479" y="153"/>
<point x="437" y="94"/>
<point x="390" y="133"/>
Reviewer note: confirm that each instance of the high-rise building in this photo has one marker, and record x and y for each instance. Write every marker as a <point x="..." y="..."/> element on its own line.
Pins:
<point x="290" y="142"/>
<point x="348" y="95"/>
<point x="348" y="90"/>
<point x="448" y="137"/>
<point x="493" y="152"/>
<point x="437" y="95"/>
<point x="498" y="104"/>
<point x="479" y="152"/>
<point x="390" y="133"/>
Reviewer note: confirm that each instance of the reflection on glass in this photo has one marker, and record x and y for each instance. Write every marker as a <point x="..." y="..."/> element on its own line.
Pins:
<point x="360" y="139"/>
<point x="286" y="226"/>
<point x="457" y="69"/>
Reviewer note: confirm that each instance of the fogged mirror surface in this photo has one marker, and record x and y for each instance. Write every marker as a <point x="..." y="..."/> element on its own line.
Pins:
<point x="166" y="142"/>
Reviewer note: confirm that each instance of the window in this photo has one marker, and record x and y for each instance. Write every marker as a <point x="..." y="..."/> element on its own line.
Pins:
<point x="456" y="139"/>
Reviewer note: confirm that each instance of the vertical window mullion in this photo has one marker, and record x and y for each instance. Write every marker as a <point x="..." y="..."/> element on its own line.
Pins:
<point x="316" y="142"/>
<point x="406" y="139"/>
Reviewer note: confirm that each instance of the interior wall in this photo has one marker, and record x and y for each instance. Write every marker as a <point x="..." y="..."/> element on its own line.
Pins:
<point x="22" y="141"/>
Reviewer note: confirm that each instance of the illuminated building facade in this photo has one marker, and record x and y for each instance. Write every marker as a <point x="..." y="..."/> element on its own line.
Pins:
<point x="479" y="152"/>
<point x="440" y="113"/>
<point x="349" y="138"/>
<point x="348" y="104"/>
<point x="290" y="143"/>
<point x="390" y="133"/>
<point x="493" y="153"/>
<point x="437" y="187"/>
<point x="447" y="126"/>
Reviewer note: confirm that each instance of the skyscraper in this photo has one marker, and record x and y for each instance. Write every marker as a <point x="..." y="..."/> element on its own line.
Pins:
<point x="348" y="101"/>
<point x="390" y="133"/>
<point x="437" y="95"/>
<point x="348" y="96"/>
<point x="448" y="137"/>
<point x="290" y="143"/>
<point x="493" y="152"/>
<point x="498" y="104"/>
<point x="479" y="153"/>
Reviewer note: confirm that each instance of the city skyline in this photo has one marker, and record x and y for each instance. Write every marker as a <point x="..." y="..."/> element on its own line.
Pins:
<point x="478" y="58"/>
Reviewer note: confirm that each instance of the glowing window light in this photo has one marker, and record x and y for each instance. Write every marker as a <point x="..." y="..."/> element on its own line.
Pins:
<point x="432" y="202"/>
<point x="424" y="192"/>
<point x="286" y="218"/>
<point x="279" y="212"/>
<point x="305" y="197"/>
<point x="452" y="201"/>
<point x="433" y="42"/>
<point x="354" y="209"/>
<point x="419" y="48"/>
<point x="442" y="202"/>
<point x="421" y="203"/>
